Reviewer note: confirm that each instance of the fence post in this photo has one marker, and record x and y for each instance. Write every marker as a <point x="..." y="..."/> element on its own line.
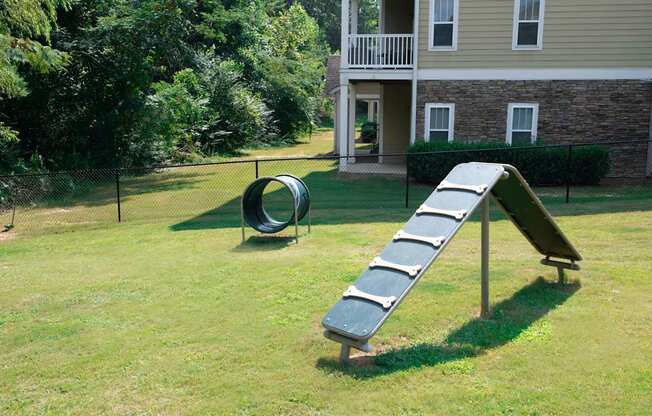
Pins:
<point x="256" y="168"/>
<point x="568" y="172"/>
<point x="117" y="193"/>
<point x="407" y="181"/>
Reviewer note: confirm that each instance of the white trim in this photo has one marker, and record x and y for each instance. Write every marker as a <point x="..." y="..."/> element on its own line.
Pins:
<point x="451" y="120"/>
<point x="377" y="75"/>
<point x="524" y="74"/>
<point x="381" y="123"/>
<point x="344" y="45"/>
<point x="431" y="32"/>
<point x="363" y="97"/>
<point x="343" y="120"/>
<point x="415" y="73"/>
<point x="516" y="21"/>
<point x="510" y="118"/>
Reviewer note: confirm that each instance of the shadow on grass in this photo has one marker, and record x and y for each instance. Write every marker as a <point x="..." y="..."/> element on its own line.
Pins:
<point x="337" y="199"/>
<point x="265" y="243"/>
<point x="510" y="318"/>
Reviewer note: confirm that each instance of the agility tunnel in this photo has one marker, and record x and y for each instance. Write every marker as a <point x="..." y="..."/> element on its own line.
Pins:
<point x="257" y="217"/>
<point x="368" y="303"/>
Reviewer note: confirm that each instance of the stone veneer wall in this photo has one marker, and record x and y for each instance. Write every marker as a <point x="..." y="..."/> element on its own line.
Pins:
<point x="569" y="111"/>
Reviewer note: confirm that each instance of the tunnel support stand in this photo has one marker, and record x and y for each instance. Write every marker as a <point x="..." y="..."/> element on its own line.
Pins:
<point x="484" y="305"/>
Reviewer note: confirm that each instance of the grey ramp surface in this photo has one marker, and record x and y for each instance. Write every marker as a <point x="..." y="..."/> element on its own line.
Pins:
<point x="360" y="319"/>
<point x="527" y="212"/>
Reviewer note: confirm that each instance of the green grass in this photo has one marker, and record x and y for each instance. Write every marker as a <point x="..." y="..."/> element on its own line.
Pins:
<point x="319" y="143"/>
<point x="168" y="313"/>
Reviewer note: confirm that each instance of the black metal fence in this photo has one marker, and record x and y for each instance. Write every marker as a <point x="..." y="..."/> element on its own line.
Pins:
<point x="210" y="192"/>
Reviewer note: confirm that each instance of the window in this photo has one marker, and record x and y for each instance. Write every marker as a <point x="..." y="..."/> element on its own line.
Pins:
<point x="440" y="122"/>
<point x="528" y="24"/>
<point x="522" y="120"/>
<point x="443" y="28"/>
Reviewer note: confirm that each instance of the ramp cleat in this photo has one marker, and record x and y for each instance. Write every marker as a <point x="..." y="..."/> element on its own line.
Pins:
<point x="478" y="189"/>
<point x="426" y="210"/>
<point x="354" y="292"/>
<point x="433" y="241"/>
<point x="413" y="271"/>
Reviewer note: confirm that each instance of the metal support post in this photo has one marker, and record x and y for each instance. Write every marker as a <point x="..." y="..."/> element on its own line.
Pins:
<point x="309" y="219"/>
<point x="568" y="172"/>
<point x="296" y="221"/>
<point x="407" y="181"/>
<point x="117" y="194"/>
<point x="484" y="309"/>
<point x="345" y="351"/>
<point x="562" y="275"/>
<point x="242" y="221"/>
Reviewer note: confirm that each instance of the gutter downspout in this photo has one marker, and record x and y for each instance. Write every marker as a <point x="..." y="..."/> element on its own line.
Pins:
<point x="415" y="62"/>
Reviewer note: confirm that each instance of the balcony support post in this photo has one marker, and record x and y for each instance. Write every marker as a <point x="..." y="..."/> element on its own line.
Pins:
<point x="344" y="48"/>
<point x="343" y="121"/>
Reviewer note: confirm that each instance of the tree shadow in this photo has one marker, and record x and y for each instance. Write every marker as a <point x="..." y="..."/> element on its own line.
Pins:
<point x="510" y="318"/>
<point x="345" y="199"/>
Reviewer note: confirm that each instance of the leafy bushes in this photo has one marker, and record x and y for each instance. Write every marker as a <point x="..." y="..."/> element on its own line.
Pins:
<point x="369" y="132"/>
<point x="201" y="112"/>
<point x="154" y="81"/>
<point x="539" y="165"/>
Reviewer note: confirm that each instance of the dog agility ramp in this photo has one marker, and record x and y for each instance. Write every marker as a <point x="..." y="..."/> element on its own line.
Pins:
<point x="389" y="278"/>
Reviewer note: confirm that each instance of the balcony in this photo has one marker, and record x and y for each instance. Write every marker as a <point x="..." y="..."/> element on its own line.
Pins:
<point x="380" y="51"/>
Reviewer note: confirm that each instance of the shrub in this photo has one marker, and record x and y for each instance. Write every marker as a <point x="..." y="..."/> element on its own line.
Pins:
<point x="540" y="166"/>
<point x="369" y="132"/>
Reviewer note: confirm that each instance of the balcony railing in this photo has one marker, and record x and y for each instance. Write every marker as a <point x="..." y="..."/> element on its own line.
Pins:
<point x="381" y="51"/>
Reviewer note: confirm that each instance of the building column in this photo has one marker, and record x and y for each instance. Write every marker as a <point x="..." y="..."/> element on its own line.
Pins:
<point x="370" y="110"/>
<point x="344" y="58"/>
<point x="350" y="149"/>
<point x="649" y="147"/>
<point x="336" y="129"/>
<point x="342" y="120"/>
<point x="381" y="123"/>
<point x="355" y="8"/>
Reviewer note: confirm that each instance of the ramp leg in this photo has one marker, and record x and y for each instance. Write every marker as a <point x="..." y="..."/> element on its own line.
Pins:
<point x="242" y="226"/>
<point x="309" y="219"/>
<point x="562" y="275"/>
<point x="345" y="351"/>
<point x="296" y="223"/>
<point x="484" y="308"/>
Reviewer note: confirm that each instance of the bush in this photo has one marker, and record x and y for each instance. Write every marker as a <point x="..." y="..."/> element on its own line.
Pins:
<point x="369" y="132"/>
<point x="539" y="165"/>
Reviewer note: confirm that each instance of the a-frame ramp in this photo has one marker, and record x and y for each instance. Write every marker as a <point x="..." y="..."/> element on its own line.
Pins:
<point x="389" y="278"/>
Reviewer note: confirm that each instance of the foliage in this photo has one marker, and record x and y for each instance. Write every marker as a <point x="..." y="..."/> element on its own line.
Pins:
<point x="369" y="132"/>
<point x="200" y="113"/>
<point x="539" y="165"/>
<point x="327" y="13"/>
<point x="25" y="27"/>
<point x="258" y="68"/>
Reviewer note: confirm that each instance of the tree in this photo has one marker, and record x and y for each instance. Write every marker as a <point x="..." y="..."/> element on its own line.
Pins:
<point x="329" y="18"/>
<point x="25" y="27"/>
<point x="126" y="95"/>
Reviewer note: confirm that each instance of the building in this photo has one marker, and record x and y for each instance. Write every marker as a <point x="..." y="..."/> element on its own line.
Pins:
<point x="519" y="71"/>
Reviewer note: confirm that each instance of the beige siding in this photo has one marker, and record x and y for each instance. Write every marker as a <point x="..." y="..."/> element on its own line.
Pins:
<point x="399" y="16"/>
<point x="367" y="88"/>
<point x="396" y="117"/>
<point x="577" y="34"/>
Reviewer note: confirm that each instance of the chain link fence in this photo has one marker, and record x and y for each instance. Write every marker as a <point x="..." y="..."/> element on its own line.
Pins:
<point x="189" y="196"/>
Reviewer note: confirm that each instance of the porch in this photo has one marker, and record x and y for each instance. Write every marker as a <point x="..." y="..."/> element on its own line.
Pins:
<point x="391" y="48"/>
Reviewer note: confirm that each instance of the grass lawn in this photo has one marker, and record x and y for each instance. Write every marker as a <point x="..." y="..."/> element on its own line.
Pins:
<point x="175" y="316"/>
<point x="320" y="143"/>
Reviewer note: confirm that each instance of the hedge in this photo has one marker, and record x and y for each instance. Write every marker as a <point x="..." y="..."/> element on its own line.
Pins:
<point x="541" y="166"/>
